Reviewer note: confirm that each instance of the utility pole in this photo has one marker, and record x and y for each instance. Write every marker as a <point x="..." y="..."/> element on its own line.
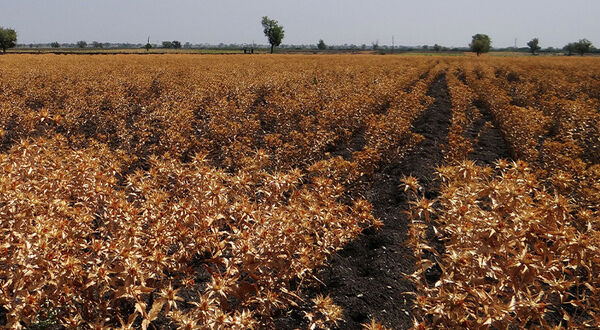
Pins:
<point x="392" y="44"/>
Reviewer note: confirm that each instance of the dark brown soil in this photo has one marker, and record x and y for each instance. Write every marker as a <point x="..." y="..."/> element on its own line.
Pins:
<point x="491" y="144"/>
<point x="366" y="278"/>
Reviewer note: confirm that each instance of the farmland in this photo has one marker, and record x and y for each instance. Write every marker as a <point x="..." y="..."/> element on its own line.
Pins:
<point x="288" y="191"/>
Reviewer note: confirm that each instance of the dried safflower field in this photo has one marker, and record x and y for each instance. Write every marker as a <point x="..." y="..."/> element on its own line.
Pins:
<point x="334" y="191"/>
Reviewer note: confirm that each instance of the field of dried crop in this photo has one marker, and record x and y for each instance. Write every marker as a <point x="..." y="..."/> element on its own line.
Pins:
<point x="337" y="191"/>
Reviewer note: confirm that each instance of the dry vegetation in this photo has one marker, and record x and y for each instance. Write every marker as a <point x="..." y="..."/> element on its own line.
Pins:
<point x="183" y="191"/>
<point x="521" y="237"/>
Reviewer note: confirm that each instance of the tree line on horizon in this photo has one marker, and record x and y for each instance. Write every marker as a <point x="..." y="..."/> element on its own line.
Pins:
<point x="274" y="32"/>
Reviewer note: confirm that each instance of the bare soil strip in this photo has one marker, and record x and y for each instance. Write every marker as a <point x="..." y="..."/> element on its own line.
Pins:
<point x="491" y="144"/>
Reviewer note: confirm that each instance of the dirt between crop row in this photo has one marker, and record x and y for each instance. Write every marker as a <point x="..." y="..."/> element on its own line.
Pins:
<point x="366" y="278"/>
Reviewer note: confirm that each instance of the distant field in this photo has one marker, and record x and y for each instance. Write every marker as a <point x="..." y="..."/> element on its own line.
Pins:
<point x="216" y="51"/>
<point x="126" y="51"/>
<point x="433" y="53"/>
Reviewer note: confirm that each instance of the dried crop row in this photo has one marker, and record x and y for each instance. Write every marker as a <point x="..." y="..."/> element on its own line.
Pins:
<point x="464" y="117"/>
<point x="558" y="135"/>
<point x="514" y="252"/>
<point x="177" y="191"/>
<point x="571" y="79"/>
<point x="227" y="110"/>
<point x="521" y="239"/>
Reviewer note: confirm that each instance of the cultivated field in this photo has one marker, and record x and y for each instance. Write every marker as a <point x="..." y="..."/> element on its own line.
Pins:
<point x="167" y="191"/>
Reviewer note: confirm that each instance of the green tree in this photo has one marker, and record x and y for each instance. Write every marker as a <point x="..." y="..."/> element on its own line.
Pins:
<point x="321" y="45"/>
<point x="583" y="46"/>
<point x="81" y="44"/>
<point x="96" y="44"/>
<point x="167" y="44"/>
<point x="481" y="43"/>
<point x="570" y="48"/>
<point x="148" y="45"/>
<point x="55" y="44"/>
<point x="437" y="48"/>
<point x="176" y="44"/>
<point x="8" y="38"/>
<point x="273" y="31"/>
<point x="534" y="45"/>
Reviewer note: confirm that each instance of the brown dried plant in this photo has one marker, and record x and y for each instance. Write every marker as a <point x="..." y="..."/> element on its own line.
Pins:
<point x="158" y="197"/>
<point x="512" y="255"/>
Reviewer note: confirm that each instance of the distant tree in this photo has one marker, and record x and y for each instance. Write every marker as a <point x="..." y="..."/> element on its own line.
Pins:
<point x="363" y="46"/>
<point x="167" y="44"/>
<point x="437" y="48"/>
<point x="321" y="45"/>
<point x="148" y="45"/>
<point x="583" y="46"/>
<point x="425" y="47"/>
<point x="55" y="45"/>
<point x="96" y="44"/>
<point x="533" y="45"/>
<point x="375" y="45"/>
<point x="176" y="44"/>
<point x="481" y="43"/>
<point x="81" y="44"/>
<point x="570" y="48"/>
<point x="273" y="31"/>
<point x="8" y="38"/>
<point x="187" y="45"/>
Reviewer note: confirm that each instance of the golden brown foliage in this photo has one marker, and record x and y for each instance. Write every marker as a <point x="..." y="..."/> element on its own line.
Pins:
<point x="203" y="192"/>
<point x="521" y="240"/>
<point x="197" y="192"/>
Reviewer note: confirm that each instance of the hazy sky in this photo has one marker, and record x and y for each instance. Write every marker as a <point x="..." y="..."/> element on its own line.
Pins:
<point x="447" y="22"/>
